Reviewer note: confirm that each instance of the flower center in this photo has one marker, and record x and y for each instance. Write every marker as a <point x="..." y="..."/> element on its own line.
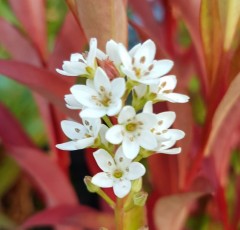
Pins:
<point x="131" y="127"/>
<point x="118" y="173"/>
<point x="105" y="100"/>
<point x="137" y="71"/>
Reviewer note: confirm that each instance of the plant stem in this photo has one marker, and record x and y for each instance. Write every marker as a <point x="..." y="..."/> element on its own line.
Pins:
<point x="101" y="193"/>
<point x="119" y="214"/>
<point x="134" y="218"/>
<point x="107" y="121"/>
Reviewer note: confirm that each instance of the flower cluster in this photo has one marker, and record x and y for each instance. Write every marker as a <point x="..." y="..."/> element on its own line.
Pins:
<point x="116" y="109"/>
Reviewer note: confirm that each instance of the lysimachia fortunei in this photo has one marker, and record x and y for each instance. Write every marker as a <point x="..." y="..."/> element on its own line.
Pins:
<point x="116" y="108"/>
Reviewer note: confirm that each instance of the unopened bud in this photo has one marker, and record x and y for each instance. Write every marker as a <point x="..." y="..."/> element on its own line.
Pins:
<point x="109" y="68"/>
<point x="137" y="185"/>
<point x="90" y="186"/>
<point x="140" y="198"/>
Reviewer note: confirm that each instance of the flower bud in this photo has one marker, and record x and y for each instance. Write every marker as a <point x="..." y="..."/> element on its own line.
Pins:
<point x="140" y="198"/>
<point x="109" y="68"/>
<point x="137" y="185"/>
<point x="90" y="186"/>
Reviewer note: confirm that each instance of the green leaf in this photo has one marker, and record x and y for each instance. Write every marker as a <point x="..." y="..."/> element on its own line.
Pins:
<point x="5" y="223"/>
<point x="9" y="172"/>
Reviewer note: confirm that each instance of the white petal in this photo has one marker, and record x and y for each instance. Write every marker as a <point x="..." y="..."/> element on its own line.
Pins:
<point x="147" y="50"/>
<point x="102" y="180"/>
<point x="168" y="82"/>
<point x="72" y="103"/>
<point x="92" y="113"/>
<point x="170" y="151"/>
<point x="122" y="188"/>
<point x="149" y="81"/>
<point x="134" y="49"/>
<point x="118" y="87"/>
<point x="136" y="170"/>
<point x="92" y="52"/>
<point x="93" y="125"/>
<point x="114" y="108"/>
<point x="70" y="146"/>
<point x="140" y="90"/>
<point x="101" y="80"/>
<point x="165" y="144"/>
<point x="102" y="132"/>
<point x="121" y="160"/>
<point x="165" y="120"/>
<point x="66" y="73"/>
<point x="174" y="97"/>
<point x="101" y="55"/>
<point x="129" y="73"/>
<point x="174" y="134"/>
<point x="86" y="142"/>
<point x="104" y="160"/>
<point x="90" y="84"/>
<point x="83" y="94"/>
<point x="124" y="56"/>
<point x="128" y="112"/>
<point x="76" y="57"/>
<point x="162" y="67"/>
<point x="112" y="52"/>
<point x="73" y="130"/>
<point x="114" y="134"/>
<point x="149" y="120"/>
<point x="74" y="67"/>
<point x="130" y="148"/>
<point x="148" y="107"/>
<point x="147" y="140"/>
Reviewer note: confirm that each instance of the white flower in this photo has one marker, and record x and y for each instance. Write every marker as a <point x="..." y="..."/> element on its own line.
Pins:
<point x="78" y="64"/>
<point x="166" y="138"/>
<point x="81" y="136"/>
<point x="133" y="131"/>
<point x="117" y="173"/>
<point x="139" y="64"/>
<point x="71" y="102"/>
<point x="163" y="90"/>
<point x="112" y="53"/>
<point x="100" y="96"/>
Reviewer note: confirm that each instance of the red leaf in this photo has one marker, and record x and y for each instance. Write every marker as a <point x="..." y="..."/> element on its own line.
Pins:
<point x="104" y="20"/>
<point x="71" y="39"/>
<point x="171" y="211"/>
<point x="226" y="140"/>
<point x="224" y="132"/>
<point x="80" y="216"/>
<point x="145" y="12"/>
<point x="236" y="215"/>
<point x="11" y="131"/>
<point x="19" y="49"/>
<point x="161" y="165"/>
<point x="32" y="16"/>
<point x="49" y="85"/>
<point x="52" y="119"/>
<point x="45" y="174"/>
